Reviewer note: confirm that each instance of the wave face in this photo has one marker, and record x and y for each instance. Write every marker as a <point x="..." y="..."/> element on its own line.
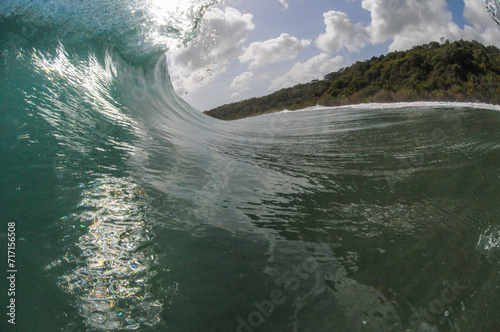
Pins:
<point x="135" y="211"/>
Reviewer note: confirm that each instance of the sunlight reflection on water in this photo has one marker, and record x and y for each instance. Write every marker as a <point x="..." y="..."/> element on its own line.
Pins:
<point x="116" y="261"/>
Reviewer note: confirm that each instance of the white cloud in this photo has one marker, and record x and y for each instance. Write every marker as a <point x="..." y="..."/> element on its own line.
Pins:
<point x="219" y="41"/>
<point x="410" y="22"/>
<point x="284" y="3"/>
<point x="413" y="22"/>
<point x="302" y="72"/>
<point x="341" y="32"/>
<point x="483" y="28"/>
<point x="285" y="47"/>
<point x="475" y="13"/>
<point x="241" y="81"/>
<point x="390" y="17"/>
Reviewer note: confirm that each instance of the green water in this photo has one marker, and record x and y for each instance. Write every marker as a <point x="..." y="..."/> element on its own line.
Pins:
<point x="354" y="219"/>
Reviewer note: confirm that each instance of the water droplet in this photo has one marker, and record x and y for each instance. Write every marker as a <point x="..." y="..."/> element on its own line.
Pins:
<point x="98" y="317"/>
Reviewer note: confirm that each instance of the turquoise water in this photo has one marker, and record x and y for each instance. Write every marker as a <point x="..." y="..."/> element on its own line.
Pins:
<point x="135" y="211"/>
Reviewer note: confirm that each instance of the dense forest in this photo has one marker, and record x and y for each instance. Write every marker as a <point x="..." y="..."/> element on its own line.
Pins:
<point x="458" y="71"/>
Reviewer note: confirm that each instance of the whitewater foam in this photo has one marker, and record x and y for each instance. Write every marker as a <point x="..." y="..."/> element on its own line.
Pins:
<point x="396" y="105"/>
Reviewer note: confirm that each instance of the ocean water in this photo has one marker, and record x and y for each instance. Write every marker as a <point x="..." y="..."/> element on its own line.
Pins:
<point x="133" y="211"/>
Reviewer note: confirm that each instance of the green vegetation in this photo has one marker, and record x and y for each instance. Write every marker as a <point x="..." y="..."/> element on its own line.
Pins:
<point x="458" y="71"/>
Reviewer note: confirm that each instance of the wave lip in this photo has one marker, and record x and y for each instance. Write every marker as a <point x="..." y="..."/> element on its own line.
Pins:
<point x="141" y="30"/>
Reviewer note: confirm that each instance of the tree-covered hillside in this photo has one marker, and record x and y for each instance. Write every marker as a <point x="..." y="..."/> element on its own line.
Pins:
<point x="458" y="71"/>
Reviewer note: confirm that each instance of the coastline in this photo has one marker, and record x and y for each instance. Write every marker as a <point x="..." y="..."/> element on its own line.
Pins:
<point x="460" y="72"/>
<point x="401" y="104"/>
<point x="378" y="106"/>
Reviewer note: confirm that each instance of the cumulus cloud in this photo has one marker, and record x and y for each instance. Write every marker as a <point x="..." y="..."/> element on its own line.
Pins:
<point x="220" y="40"/>
<point x="475" y="13"/>
<point x="483" y="29"/>
<point x="241" y="81"/>
<point x="413" y="22"/>
<point x="285" y="47"/>
<point x="302" y="72"/>
<point x="409" y="22"/>
<point x="341" y="32"/>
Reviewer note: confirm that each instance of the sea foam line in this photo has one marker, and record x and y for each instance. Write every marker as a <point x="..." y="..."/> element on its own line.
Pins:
<point x="439" y="104"/>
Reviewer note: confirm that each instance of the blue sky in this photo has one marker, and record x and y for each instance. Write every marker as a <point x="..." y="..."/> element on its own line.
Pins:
<point x="249" y="48"/>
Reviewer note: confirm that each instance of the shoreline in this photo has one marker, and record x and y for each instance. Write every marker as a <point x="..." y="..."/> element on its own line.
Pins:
<point x="377" y="106"/>
<point x="399" y="104"/>
<point x="461" y="72"/>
